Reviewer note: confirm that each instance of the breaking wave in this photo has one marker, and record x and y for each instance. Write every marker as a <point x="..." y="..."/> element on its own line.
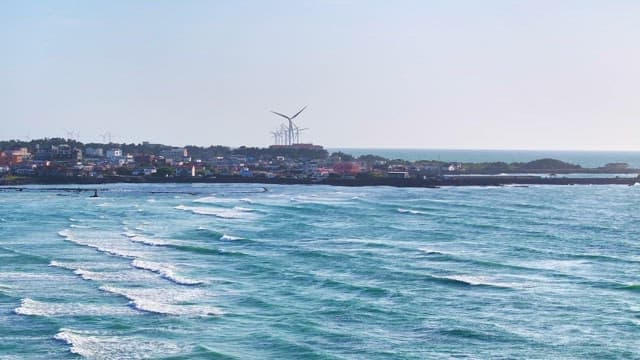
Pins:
<point x="97" y="345"/>
<point x="412" y="212"/>
<point x="159" y="301"/>
<point x="235" y="213"/>
<point x="40" y="308"/>
<point x="165" y="270"/>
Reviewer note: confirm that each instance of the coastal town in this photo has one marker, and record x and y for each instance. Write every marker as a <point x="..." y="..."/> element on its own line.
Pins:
<point x="59" y="160"/>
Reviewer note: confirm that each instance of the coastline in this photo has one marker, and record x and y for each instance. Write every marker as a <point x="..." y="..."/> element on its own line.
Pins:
<point x="467" y="180"/>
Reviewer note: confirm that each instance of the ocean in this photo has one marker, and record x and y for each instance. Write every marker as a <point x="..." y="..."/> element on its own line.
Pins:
<point x="238" y="271"/>
<point x="590" y="159"/>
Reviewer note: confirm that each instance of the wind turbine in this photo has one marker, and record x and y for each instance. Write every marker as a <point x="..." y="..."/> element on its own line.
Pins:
<point x="105" y="136"/>
<point x="276" y="137"/>
<point x="298" y="131"/>
<point x="284" y="133"/>
<point x="290" y="129"/>
<point x="71" y="135"/>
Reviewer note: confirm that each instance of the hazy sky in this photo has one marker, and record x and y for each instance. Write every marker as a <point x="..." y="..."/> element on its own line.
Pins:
<point x="409" y="74"/>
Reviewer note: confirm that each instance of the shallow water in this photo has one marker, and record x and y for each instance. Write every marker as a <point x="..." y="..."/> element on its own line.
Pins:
<point x="321" y="272"/>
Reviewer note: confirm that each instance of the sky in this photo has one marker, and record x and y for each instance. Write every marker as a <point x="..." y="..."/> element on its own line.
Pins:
<point x="376" y="74"/>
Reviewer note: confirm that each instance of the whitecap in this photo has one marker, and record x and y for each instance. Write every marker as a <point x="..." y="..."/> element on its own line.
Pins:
<point x="40" y="308"/>
<point x="165" y="270"/>
<point x="218" y="212"/>
<point x="171" y="309"/>
<point x="61" y="265"/>
<point x="230" y="237"/>
<point x="111" y="251"/>
<point x="97" y="345"/>
<point x="165" y="301"/>
<point x="413" y="212"/>
<point x="479" y="280"/>
<point x="65" y="233"/>
<point x="430" y="251"/>
<point x="207" y="200"/>
<point x="149" y="241"/>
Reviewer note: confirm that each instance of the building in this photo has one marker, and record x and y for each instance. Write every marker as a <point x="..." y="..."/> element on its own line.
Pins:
<point x="13" y="157"/>
<point x="92" y="152"/>
<point x="186" y="170"/>
<point x="114" y="153"/>
<point x="176" y="155"/>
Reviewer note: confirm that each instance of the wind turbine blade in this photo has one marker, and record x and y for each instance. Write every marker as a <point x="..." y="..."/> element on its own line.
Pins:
<point x="284" y="116"/>
<point x="298" y="113"/>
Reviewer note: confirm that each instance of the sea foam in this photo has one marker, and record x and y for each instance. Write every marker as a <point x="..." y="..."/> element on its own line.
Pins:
<point x="165" y="301"/>
<point x="235" y="213"/>
<point x="70" y="236"/>
<point x="97" y="345"/>
<point x="165" y="270"/>
<point x="413" y="212"/>
<point x="40" y="308"/>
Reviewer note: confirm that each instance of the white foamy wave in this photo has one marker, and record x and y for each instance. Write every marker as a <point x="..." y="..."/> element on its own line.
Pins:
<point x="477" y="280"/>
<point x="245" y="200"/>
<point x="315" y="199"/>
<point x="210" y="200"/>
<point x="171" y="309"/>
<point x="61" y="265"/>
<point x="164" y="301"/>
<point x="165" y="270"/>
<point x="430" y="251"/>
<point x="100" y="275"/>
<point x="218" y="212"/>
<point x="66" y="233"/>
<point x="149" y="241"/>
<point x="115" y="252"/>
<point x="414" y="212"/>
<point x="91" y="275"/>
<point x="128" y="233"/>
<point x="80" y="226"/>
<point x="39" y="308"/>
<point x="95" y="345"/>
<point x="230" y="237"/>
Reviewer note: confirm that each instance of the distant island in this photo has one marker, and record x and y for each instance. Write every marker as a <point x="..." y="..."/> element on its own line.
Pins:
<point x="67" y="161"/>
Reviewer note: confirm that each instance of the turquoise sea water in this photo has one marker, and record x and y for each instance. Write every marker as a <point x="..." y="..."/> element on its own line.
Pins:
<point x="316" y="272"/>
<point x="590" y="159"/>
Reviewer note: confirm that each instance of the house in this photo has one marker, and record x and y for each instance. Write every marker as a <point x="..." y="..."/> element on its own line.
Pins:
<point x="186" y="170"/>
<point x="175" y="155"/>
<point x="346" y="168"/>
<point x="114" y="154"/>
<point x="92" y="152"/>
